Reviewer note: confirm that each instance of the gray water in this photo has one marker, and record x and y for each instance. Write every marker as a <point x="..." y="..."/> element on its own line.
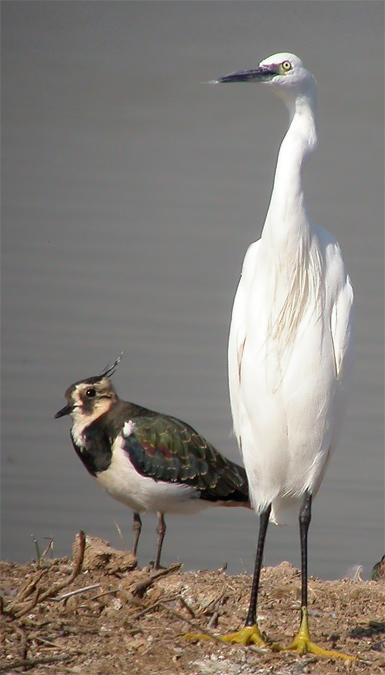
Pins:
<point x="131" y="190"/>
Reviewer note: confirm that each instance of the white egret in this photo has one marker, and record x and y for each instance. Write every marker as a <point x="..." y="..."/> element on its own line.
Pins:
<point x="290" y="345"/>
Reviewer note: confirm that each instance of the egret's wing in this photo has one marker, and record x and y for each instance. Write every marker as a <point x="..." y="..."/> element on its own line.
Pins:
<point x="341" y="323"/>
<point x="342" y="330"/>
<point x="238" y="334"/>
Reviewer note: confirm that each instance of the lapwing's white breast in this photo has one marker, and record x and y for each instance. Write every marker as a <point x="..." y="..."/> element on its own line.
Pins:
<point x="122" y="481"/>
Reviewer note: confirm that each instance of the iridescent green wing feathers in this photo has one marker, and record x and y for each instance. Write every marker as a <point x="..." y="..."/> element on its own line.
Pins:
<point x="165" y="448"/>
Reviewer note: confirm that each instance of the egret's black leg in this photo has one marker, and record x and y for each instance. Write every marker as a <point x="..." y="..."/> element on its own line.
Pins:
<point x="263" y="523"/>
<point x="251" y="634"/>
<point x="302" y="642"/>
<point x="161" y="530"/>
<point x="137" y="528"/>
<point x="304" y="522"/>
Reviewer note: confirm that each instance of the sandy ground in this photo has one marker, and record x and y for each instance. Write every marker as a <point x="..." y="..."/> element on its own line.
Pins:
<point x="127" y="621"/>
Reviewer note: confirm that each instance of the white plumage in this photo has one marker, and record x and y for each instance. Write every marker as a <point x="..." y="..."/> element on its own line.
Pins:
<point x="144" y="494"/>
<point x="290" y="336"/>
<point x="290" y="344"/>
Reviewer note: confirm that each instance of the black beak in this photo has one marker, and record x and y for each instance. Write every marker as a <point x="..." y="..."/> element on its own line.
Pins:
<point x="261" y="74"/>
<point x="64" y="411"/>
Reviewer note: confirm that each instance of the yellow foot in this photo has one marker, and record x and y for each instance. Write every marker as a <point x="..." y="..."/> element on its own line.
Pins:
<point x="304" y="645"/>
<point x="309" y="647"/>
<point x="249" y="635"/>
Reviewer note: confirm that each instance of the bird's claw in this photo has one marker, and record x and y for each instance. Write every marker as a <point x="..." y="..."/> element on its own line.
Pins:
<point x="302" y="643"/>
<point x="302" y="647"/>
<point x="249" y="635"/>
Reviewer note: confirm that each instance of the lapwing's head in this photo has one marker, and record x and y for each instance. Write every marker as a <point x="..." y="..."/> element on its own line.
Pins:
<point x="89" y="399"/>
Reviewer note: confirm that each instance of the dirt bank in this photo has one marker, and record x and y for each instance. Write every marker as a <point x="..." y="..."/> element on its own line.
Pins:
<point x="128" y="621"/>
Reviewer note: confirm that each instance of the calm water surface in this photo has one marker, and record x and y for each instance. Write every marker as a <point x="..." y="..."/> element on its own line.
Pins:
<point x="131" y="191"/>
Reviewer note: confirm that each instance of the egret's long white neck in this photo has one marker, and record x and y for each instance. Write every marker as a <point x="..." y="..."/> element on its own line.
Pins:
<point x="286" y="217"/>
<point x="295" y="273"/>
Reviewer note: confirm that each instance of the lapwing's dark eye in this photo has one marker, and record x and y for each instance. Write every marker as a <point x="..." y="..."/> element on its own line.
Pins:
<point x="91" y="392"/>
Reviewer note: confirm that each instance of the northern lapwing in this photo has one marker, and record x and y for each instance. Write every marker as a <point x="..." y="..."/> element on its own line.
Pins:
<point x="149" y="461"/>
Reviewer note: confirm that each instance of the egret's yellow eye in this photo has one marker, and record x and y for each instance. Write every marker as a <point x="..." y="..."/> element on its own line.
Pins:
<point x="286" y="66"/>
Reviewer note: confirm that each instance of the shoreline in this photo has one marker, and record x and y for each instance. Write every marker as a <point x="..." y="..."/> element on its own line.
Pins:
<point x="97" y="613"/>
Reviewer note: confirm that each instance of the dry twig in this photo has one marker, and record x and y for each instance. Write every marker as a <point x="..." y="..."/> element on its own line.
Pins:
<point x="197" y="628"/>
<point x="29" y="663"/>
<point x="40" y="596"/>
<point x="77" y="591"/>
<point x="213" y="621"/>
<point x="29" y="587"/>
<point x="153" y="606"/>
<point x="141" y="586"/>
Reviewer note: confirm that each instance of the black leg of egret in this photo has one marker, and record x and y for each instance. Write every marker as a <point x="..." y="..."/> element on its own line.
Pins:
<point x="251" y="634"/>
<point x="302" y="642"/>
<point x="304" y="522"/>
<point x="263" y="523"/>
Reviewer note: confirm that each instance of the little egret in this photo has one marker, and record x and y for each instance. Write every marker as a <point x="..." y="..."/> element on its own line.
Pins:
<point x="290" y="344"/>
